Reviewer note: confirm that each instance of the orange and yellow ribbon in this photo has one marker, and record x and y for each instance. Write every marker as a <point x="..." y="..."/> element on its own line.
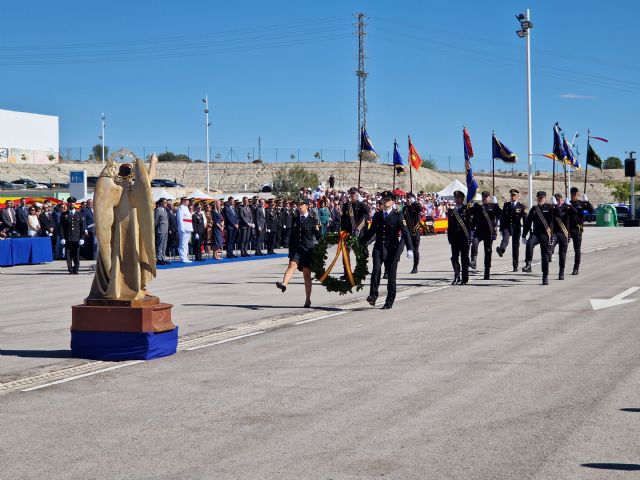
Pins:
<point x="341" y="250"/>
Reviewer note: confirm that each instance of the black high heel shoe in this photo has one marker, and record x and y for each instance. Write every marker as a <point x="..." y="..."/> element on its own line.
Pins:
<point x="281" y="286"/>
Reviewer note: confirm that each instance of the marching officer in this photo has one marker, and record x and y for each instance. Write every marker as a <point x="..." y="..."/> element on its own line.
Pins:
<point x="511" y="221"/>
<point x="561" y="237"/>
<point x="354" y="215"/>
<point x="411" y="213"/>
<point x="387" y="225"/>
<point x="576" y="224"/>
<point x="484" y="220"/>
<point x="304" y="235"/>
<point x="72" y="223"/>
<point x="458" y="234"/>
<point x="540" y="224"/>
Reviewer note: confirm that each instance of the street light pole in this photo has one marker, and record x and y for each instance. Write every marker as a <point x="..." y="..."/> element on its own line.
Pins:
<point x="207" y="124"/>
<point x="526" y="25"/>
<point x="104" y="125"/>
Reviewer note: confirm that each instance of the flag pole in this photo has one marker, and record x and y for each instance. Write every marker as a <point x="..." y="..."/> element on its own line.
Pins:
<point x="360" y="158"/>
<point x="410" y="167"/>
<point x="586" y="167"/>
<point x="564" y="163"/>
<point x="553" y="181"/>
<point x="393" y="162"/>
<point x="493" y="167"/>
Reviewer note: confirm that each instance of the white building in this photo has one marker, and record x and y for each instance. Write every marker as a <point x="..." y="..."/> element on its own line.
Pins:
<point x="28" y="138"/>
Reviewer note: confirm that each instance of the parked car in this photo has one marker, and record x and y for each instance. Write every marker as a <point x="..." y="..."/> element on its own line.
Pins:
<point x="162" y="183"/>
<point x="624" y="212"/>
<point x="91" y="181"/>
<point x="28" y="183"/>
<point x="4" y="185"/>
<point x="57" y="185"/>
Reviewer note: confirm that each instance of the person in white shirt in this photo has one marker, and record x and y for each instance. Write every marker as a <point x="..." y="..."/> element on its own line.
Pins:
<point x="33" y="224"/>
<point x="185" y="228"/>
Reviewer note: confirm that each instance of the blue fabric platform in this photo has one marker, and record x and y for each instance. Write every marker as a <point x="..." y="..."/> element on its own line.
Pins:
<point x="210" y="261"/>
<point x="25" y="251"/>
<point x="117" y="346"/>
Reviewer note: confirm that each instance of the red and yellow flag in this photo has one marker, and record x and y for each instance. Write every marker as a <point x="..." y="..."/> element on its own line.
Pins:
<point x="414" y="157"/>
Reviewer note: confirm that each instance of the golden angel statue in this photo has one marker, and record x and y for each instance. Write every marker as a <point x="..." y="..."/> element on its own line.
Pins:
<point x="123" y="210"/>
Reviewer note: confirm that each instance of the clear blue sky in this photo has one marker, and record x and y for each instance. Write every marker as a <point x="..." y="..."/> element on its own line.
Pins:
<point x="284" y="71"/>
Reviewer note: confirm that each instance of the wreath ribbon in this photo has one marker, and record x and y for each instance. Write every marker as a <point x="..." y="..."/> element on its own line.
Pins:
<point x="341" y="250"/>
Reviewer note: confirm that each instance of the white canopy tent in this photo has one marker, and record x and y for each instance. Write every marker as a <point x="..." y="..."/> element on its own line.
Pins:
<point x="447" y="192"/>
<point x="198" y="195"/>
<point x="159" y="193"/>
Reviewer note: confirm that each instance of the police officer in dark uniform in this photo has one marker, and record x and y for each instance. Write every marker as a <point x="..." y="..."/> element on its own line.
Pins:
<point x="511" y="220"/>
<point x="458" y="234"/>
<point x="539" y="223"/>
<point x="561" y="237"/>
<point x="197" y="236"/>
<point x="411" y="213"/>
<point x="272" y="226"/>
<point x="304" y="236"/>
<point x="354" y="215"/>
<point x="576" y="224"/>
<point x="387" y="226"/>
<point x="484" y="221"/>
<point x="73" y="227"/>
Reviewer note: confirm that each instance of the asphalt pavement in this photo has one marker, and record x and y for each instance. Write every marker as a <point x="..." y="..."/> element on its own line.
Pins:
<point x="500" y="379"/>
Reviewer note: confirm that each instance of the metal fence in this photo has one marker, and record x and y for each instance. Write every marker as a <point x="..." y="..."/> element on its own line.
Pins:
<point x="443" y="162"/>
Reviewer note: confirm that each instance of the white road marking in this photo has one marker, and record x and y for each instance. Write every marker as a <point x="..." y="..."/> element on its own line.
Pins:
<point x="226" y="341"/>
<point x="75" y="377"/>
<point x="600" y="303"/>
<point x="302" y="322"/>
<point x="402" y="298"/>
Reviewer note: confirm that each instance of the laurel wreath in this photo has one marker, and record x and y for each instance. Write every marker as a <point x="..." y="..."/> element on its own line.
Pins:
<point x="333" y="284"/>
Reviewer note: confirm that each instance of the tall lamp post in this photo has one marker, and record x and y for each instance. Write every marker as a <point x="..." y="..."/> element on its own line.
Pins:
<point x="525" y="26"/>
<point x="103" y="122"/>
<point x="207" y="125"/>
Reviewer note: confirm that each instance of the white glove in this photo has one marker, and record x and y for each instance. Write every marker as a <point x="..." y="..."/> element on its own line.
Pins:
<point x="50" y="234"/>
<point x="197" y="237"/>
<point x="584" y="198"/>
<point x="524" y="240"/>
<point x="494" y="199"/>
<point x="409" y="254"/>
<point x="554" y="201"/>
<point x="63" y="242"/>
<point x="81" y="242"/>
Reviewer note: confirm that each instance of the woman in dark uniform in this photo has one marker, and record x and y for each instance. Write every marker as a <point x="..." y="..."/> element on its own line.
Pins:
<point x="305" y="233"/>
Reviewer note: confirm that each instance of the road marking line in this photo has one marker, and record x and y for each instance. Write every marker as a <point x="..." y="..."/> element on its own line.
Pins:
<point x="225" y="341"/>
<point x="402" y="298"/>
<point x="75" y="377"/>
<point x="302" y="322"/>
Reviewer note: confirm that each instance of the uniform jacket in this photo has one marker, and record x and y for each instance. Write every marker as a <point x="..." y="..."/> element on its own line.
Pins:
<point x="566" y="214"/>
<point x="354" y="218"/>
<point x="73" y="226"/>
<point x="456" y="232"/>
<point x="513" y="217"/>
<point x="412" y="217"/>
<point x="387" y="232"/>
<point x="580" y="207"/>
<point x="271" y="219"/>
<point x="304" y="233"/>
<point x="89" y="222"/>
<point x="185" y="222"/>
<point x="479" y="224"/>
<point x="199" y="223"/>
<point x="287" y="217"/>
<point x="535" y="225"/>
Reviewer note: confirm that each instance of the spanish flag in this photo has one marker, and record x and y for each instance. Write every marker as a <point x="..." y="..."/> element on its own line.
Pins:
<point x="414" y="157"/>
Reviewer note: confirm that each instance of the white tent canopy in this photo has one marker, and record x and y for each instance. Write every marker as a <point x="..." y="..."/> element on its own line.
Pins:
<point x="198" y="195"/>
<point x="161" y="193"/>
<point x="447" y="192"/>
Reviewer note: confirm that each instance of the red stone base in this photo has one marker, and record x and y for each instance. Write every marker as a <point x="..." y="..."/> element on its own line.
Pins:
<point x="146" y="315"/>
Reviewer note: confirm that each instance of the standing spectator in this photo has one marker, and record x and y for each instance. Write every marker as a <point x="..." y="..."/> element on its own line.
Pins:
<point x="272" y="225"/>
<point x="260" y="221"/>
<point x="217" y="229"/>
<point x="90" y="231"/>
<point x="33" y="224"/>
<point x="8" y="217"/>
<point x="245" y="221"/>
<point x="287" y="217"/>
<point x="332" y="181"/>
<point x="199" y="225"/>
<point x="324" y="216"/>
<point x="174" y="235"/>
<point x="335" y="213"/>
<point x="161" y="223"/>
<point x="208" y="231"/>
<point x="231" y="225"/>
<point x="185" y="229"/>
<point x="73" y="228"/>
<point x="22" y="214"/>
<point x="59" y="252"/>
<point x="47" y="224"/>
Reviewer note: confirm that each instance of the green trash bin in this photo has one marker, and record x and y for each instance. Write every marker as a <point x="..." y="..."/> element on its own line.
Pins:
<point x="606" y="216"/>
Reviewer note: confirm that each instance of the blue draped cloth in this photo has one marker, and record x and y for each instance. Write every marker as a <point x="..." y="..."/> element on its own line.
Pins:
<point x="119" y="346"/>
<point x="25" y="251"/>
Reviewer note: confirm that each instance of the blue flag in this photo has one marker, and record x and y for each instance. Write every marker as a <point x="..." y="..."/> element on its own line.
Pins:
<point x="397" y="159"/>
<point x="570" y="158"/>
<point x="367" y="151"/>
<point x="472" y="185"/>
<point x="558" y="147"/>
<point x="501" y="151"/>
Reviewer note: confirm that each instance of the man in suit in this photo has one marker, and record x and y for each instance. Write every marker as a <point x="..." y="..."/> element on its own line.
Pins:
<point x="161" y="223"/>
<point x="260" y="221"/>
<point x="231" y="225"/>
<point x="199" y="226"/>
<point x="511" y="221"/>
<point x="336" y="213"/>
<point x="73" y="229"/>
<point x="90" y="232"/>
<point x="59" y="252"/>
<point x="245" y="222"/>
<point x="387" y="226"/>
<point x="46" y="223"/>
<point x="540" y="222"/>
<point x="484" y="221"/>
<point x="459" y="236"/>
<point x="22" y="215"/>
<point x="8" y="216"/>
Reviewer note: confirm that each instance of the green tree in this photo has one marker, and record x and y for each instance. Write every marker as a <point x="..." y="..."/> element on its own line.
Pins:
<point x="96" y="151"/>
<point x="291" y="180"/>
<point x="173" y="157"/>
<point x="620" y="190"/>
<point x="430" y="164"/>
<point x="612" y="163"/>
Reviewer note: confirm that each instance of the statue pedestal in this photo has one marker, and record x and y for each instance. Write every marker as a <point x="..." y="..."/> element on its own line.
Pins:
<point x="123" y="329"/>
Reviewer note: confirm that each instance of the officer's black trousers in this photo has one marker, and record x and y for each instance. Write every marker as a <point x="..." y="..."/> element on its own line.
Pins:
<point x="415" y="241"/>
<point x="515" y="243"/>
<point x="563" y="244"/>
<point x="576" y="236"/>
<point x="391" y="267"/>
<point x="545" y="250"/>
<point x="196" y="244"/>
<point x="231" y="240"/>
<point x="488" y="246"/>
<point x="460" y="253"/>
<point x="72" y="252"/>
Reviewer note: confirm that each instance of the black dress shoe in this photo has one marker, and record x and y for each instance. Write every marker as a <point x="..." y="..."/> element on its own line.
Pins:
<point x="385" y="275"/>
<point x="307" y="304"/>
<point x="515" y="269"/>
<point x="371" y="301"/>
<point x="545" y="280"/>
<point x="561" y="276"/>
<point x="499" y="251"/>
<point x="526" y="268"/>
<point x="281" y="286"/>
<point x="456" y="280"/>
<point x="463" y="282"/>
<point x="487" y="276"/>
<point x="386" y="306"/>
<point x="575" y="271"/>
<point x="472" y="265"/>
<point x="415" y="270"/>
